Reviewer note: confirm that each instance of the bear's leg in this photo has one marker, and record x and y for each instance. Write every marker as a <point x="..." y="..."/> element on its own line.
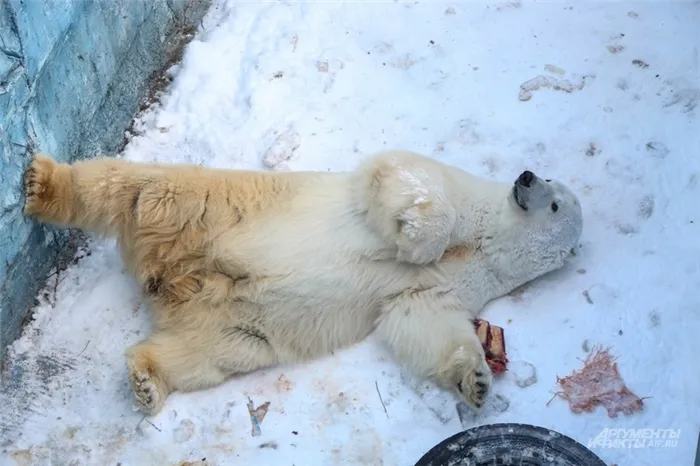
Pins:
<point x="407" y="202"/>
<point x="431" y="333"/>
<point x="91" y="195"/>
<point x="112" y="196"/>
<point x="194" y="359"/>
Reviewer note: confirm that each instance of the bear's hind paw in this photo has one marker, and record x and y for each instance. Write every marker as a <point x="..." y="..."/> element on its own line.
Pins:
<point x="37" y="183"/>
<point x="149" y="389"/>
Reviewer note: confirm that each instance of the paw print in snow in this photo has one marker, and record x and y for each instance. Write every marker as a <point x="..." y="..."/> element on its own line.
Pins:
<point x="645" y="209"/>
<point x="623" y="170"/>
<point x="282" y="149"/>
<point x="656" y="149"/>
<point x="686" y="99"/>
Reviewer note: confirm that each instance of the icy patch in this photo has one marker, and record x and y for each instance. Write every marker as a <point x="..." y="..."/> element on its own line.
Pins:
<point x="550" y="82"/>
<point x="496" y="404"/>
<point x="439" y="401"/>
<point x="523" y="372"/>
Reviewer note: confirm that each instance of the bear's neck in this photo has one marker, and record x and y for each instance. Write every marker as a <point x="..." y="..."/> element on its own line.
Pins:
<point x="478" y="210"/>
<point x="479" y="280"/>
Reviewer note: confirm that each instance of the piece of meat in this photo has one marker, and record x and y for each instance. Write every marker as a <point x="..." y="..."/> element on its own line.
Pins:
<point x="494" y="344"/>
<point x="599" y="382"/>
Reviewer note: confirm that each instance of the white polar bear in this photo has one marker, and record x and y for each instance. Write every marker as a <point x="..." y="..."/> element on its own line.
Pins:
<point x="246" y="269"/>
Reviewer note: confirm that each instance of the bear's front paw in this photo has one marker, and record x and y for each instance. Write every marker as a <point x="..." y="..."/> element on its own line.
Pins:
<point x="37" y="184"/>
<point x="468" y="372"/>
<point x="476" y="383"/>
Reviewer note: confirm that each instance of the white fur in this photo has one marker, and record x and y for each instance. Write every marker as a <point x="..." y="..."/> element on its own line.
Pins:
<point x="332" y="253"/>
<point x="405" y="245"/>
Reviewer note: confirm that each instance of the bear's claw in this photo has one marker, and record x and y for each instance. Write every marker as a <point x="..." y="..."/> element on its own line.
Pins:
<point x="476" y="380"/>
<point x="148" y="388"/>
<point x="37" y="179"/>
<point x="146" y="396"/>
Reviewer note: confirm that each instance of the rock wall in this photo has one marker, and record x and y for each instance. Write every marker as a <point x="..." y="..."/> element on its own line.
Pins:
<point x="72" y="74"/>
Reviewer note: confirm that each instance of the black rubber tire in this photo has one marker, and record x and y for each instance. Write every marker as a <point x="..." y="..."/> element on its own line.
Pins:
<point x="509" y="444"/>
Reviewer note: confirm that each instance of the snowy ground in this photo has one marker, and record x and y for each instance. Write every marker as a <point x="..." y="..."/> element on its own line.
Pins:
<point x="339" y="81"/>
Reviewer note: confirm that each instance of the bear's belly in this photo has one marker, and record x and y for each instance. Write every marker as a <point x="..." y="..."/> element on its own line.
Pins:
<point x="324" y="307"/>
<point x="317" y="278"/>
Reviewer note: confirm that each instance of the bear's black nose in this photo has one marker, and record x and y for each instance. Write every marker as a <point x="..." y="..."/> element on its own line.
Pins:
<point x="526" y="178"/>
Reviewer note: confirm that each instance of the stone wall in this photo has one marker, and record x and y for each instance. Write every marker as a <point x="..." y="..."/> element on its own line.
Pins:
<point x="72" y="74"/>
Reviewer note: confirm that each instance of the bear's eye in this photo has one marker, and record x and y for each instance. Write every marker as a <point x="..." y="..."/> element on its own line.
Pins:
<point x="555" y="207"/>
<point x="548" y="181"/>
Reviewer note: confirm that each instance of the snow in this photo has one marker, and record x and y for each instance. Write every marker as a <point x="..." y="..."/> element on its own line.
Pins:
<point x="551" y="82"/>
<point x="320" y="85"/>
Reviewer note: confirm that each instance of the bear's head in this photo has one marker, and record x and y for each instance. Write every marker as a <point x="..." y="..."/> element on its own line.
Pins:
<point x="537" y="229"/>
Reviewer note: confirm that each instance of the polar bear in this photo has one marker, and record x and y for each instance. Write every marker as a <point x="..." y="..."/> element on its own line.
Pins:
<point x="244" y="269"/>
